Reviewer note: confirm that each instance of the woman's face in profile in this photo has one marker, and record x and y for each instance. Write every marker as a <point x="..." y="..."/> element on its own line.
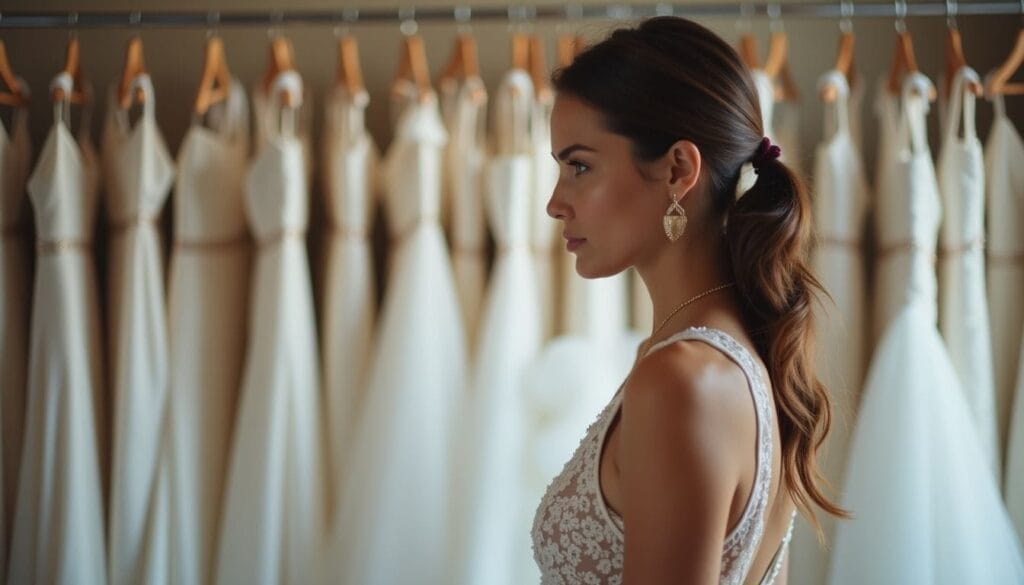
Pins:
<point x="611" y="212"/>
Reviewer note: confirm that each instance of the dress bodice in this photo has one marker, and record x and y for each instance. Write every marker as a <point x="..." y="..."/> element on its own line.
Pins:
<point x="909" y="206"/>
<point x="138" y="169"/>
<point x="351" y="161"/>
<point x="276" y="200"/>
<point x="412" y="170"/>
<point x="208" y="197"/>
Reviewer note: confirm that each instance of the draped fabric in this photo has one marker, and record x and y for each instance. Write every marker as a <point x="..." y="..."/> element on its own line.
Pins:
<point x="840" y="205"/>
<point x="15" y="304"/>
<point x="407" y="428"/>
<point x="544" y="231"/>
<point x="963" y="306"/>
<point x="1004" y="174"/>
<point x="348" y="297"/>
<point x="138" y="171"/>
<point x="926" y="508"/>
<point x="272" y="527"/>
<point x="464" y="165"/>
<point x="207" y="300"/>
<point x="498" y="409"/>
<point x="889" y="280"/>
<point x="1004" y="166"/>
<point x="58" y="528"/>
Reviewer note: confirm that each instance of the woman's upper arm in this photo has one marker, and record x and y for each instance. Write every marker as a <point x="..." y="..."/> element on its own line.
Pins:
<point x="677" y="482"/>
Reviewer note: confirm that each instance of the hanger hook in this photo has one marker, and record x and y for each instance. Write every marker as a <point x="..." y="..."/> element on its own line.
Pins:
<point x="276" y="18"/>
<point x="743" y="23"/>
<point x="900" y="8"/>
<point x="846" y="16"/>
<point x="774" y="11"/>
<point x="135" y="18"/>
<point x="72" y="26"/>
<point x="212" y="20"/>
<point x="463" y="14"/>
<point x="407" y="17"/>
<point x="951" y="12"/>
<point x="348" y="16"/>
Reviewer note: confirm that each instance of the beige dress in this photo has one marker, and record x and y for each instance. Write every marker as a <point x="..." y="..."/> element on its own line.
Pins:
<point x="139" y="172"/>
<point x="58" y="535"/>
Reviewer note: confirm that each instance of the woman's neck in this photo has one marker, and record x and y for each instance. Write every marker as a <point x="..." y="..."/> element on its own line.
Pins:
<point x="680" y="272"/>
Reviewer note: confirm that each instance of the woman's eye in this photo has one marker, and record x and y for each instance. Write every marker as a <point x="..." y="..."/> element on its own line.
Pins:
<point x="578" y="167"/>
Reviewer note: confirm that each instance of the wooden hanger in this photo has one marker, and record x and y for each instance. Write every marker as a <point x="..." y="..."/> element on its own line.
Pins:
<point x="539" y="68"/>
<point x="955" y="60"/>
<point x="844" y="65"/>
<point x="778" y="46"/>
<point x="903" y="63"/>
<point x="350" y="73"/>
<point x="748" y="51"/>
<point x="14" y="96"/>
<point x="215" y="82"/>
<point x="999" y="81"/>
<point x="463" y="63"/>
<point x="134" y="66"/>
<point x="581" y="44"/>
<point x="521" y="51"/>
<point x="280" y="60"/>
<point x="776" y="66"/>
<point x="412" y="66"/>
<point x="74" y="70"/>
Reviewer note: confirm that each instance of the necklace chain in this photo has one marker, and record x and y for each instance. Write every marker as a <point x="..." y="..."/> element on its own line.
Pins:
<point x="682" y="306"/>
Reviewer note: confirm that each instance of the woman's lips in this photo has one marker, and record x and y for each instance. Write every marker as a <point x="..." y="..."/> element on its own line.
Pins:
<point x="573" y="243"/>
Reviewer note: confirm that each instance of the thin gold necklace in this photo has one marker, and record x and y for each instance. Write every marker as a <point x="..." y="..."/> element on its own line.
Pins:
<point x="682" y="306"/>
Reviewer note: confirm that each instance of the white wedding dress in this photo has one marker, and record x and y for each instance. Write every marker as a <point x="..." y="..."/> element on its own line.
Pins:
<point x="407" y="428"/>
<point x="465" y="156"/>
<point x="139" y="172"/>
<point x="58" y="524"/>
<point x="207" y="304"/>
<point x="498" y="409"/>
<point x="272" y="527"/>
<point x="1004" y="178"/>
<point x="925" y="505"/>
<point x="348" y="300"/>
<point x="840" y="204"/>
<point x="963" y="306"/>
<point x="15" y="305"/>
<point x="545" y="232"/>
<point x="1004" y="162"/>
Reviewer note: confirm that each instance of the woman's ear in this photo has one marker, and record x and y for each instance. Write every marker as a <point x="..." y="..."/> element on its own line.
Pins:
<point x="684" y="163"/>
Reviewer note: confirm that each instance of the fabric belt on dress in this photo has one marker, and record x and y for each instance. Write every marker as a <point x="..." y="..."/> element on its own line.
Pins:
<point x="281" y="236"/>
<point x="49" y="247"/>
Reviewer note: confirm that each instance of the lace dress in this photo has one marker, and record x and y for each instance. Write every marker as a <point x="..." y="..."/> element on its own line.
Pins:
<point x="578" y="539"/>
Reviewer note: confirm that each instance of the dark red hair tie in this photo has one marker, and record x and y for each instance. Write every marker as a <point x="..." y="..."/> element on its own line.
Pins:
<point x="766" y="151"/>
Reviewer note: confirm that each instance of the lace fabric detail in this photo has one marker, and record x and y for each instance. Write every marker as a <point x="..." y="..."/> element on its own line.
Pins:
<point x="578" y="539"/>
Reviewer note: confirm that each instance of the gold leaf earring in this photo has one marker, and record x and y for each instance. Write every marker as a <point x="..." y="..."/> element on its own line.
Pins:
<point x="675" y="225"/>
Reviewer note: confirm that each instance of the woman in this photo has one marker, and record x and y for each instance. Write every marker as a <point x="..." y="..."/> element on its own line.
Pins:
<point x="664" y="116"/>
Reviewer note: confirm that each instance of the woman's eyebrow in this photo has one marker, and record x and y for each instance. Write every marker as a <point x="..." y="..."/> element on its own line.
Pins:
<point x="564" y="154"/>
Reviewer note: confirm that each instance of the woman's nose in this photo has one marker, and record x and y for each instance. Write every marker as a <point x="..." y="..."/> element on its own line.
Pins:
<point x="557" y="207"/>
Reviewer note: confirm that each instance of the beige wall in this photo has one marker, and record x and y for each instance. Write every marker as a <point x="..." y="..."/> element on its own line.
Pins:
<point x="174" y="56"/>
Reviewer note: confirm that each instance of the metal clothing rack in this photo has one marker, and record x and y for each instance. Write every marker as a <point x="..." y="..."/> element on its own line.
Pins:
<point x="513" y="13"/>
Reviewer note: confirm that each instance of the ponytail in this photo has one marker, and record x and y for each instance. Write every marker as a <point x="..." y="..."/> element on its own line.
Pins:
<point x="767" y="235"/>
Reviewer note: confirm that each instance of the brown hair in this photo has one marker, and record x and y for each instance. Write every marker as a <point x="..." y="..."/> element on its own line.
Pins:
<point x="671" y="79"/>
